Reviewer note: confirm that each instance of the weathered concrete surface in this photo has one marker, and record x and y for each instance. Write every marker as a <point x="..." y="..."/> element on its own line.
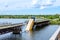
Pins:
<point x="55" y="35"/>
<point x="10" y="26"/>
<point x="30" y="25"/>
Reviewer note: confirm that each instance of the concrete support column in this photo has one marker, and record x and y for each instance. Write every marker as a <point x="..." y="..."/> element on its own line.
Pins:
<point x="16" y="30"/>
<point x="30" y="25"/>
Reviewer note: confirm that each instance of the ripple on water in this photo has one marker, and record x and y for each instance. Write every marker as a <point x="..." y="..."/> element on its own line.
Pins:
<point x="41" y="34"/>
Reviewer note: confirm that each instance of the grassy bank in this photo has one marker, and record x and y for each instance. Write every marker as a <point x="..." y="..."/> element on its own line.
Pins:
<point x="54" y="19"/>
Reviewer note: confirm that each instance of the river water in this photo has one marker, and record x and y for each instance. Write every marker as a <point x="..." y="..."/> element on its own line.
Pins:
<point x="38" y="34"/>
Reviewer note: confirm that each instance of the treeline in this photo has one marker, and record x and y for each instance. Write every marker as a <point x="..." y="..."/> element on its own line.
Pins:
<point x="54" y="19"/>
<point x="29" y="16"/>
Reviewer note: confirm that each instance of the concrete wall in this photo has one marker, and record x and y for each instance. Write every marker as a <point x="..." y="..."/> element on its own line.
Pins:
<point x="55" y="35"/>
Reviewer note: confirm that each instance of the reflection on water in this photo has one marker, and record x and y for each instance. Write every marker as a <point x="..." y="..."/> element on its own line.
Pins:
<point x="41" y="34"/>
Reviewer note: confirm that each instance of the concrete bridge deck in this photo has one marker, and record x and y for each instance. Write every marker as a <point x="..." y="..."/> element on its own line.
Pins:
<point x="10" y="26"/>
<point x="16" y="28"/>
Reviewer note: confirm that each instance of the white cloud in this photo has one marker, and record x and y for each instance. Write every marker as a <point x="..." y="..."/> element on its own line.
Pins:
<point x="44" y="3"/>
<point x="57" y="3"/>
<point x="26" y="4"/>
<point x="34" y="1"/>
<point x="42" y="7"/>
<point x="14" y="4"/>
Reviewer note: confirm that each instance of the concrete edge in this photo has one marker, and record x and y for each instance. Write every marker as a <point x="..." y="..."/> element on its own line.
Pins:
<point x="54" y="36"/>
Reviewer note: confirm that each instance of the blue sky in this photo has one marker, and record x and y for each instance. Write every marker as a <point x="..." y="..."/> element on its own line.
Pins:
<point x="29" y="7"/>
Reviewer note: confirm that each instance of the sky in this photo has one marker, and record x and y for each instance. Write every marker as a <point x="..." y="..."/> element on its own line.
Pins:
<point x="29" y="7"/>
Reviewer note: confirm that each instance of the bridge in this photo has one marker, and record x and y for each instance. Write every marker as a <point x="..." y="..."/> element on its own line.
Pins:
<point x="36" y="23"/>
<point x="10" y="28"/>
<point x="16" y="28"/>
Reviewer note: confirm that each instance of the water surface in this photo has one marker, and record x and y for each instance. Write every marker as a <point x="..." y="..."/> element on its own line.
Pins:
<point x="38" y="34"/>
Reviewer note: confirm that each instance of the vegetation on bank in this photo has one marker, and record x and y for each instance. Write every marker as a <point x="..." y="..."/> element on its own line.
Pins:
<point x="54" y="19"/>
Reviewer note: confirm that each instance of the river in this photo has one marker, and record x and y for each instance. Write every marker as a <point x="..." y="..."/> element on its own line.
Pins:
<point x="38" y="34"/>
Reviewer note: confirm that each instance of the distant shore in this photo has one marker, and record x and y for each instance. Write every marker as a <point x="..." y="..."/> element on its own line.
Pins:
<point x="54" y="19"/>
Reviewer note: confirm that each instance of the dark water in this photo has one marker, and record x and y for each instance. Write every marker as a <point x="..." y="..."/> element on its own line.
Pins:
<point x="38" y="34"/>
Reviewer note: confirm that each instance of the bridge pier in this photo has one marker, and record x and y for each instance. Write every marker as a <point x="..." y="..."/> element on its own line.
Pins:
<point x="17" y="30"/>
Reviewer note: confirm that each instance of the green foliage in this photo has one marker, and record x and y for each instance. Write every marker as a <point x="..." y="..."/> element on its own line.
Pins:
<point x="54" y="19"/>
